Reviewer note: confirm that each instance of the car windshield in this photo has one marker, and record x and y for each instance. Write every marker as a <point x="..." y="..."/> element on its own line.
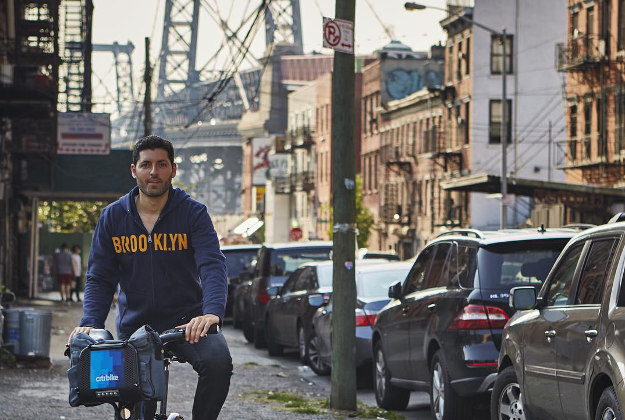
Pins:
<point x="519" y="263"/>
<point x="285" y="261"/>
<point x="375" y="284"/>
<point x="238" y="260"/>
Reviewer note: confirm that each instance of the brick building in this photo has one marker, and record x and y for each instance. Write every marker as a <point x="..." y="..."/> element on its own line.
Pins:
<point x="388" y="158"/>
<point x="593" y="60"/>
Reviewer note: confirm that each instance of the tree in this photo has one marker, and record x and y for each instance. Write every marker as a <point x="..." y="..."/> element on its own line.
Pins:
<point x="70" y="216"/>
<point x="364" y="218"/>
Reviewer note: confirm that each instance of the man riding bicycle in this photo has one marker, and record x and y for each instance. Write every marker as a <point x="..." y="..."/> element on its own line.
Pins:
<point x="160" y="247"/>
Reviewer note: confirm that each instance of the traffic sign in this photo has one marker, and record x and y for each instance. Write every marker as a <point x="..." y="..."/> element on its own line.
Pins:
<point x="338" y="34"/>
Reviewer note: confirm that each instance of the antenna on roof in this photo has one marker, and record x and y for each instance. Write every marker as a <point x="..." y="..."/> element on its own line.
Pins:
<point x="541" y="229"/>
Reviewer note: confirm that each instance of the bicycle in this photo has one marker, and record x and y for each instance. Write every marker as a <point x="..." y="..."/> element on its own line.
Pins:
<point x="125" y="410"/>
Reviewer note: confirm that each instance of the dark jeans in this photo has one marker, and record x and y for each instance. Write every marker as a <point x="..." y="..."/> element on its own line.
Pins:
<point x="210" y="358"/>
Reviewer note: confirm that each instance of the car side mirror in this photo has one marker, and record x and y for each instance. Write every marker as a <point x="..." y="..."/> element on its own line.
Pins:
<point x="522" y="298"/>
<point x="316" y="300"/>
<point x="273" y="291"/>
<point x="394" y="292"/>
<point x="7" y="297"/>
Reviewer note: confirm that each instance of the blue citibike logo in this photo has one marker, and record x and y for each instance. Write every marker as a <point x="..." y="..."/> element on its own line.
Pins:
<point x="107" y="368"/>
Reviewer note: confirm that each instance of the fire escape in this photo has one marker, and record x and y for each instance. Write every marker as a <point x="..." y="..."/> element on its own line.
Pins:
<point x="76" y="48"/>
<point x="585" y="56"/>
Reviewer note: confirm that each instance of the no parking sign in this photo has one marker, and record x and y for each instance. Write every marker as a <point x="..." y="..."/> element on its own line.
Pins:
<point x="338" y="34"/>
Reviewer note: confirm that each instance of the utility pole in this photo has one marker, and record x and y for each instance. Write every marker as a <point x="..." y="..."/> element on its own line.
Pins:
<point x="504" y="135"/>
<point x="343" y="393"/>
<point x="549" y="154"/>
<point x="147" y="100"/>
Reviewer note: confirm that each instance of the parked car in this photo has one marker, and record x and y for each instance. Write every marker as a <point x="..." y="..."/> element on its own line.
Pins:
<point x="275" y="263"/>
<point x="238" y="259"/>
<point x="563" y="356"/>
<point x="372" y="283"/>
<point x="365" y="254"/>
<point x="288" y="316"/>
<point x="441" y="333"/>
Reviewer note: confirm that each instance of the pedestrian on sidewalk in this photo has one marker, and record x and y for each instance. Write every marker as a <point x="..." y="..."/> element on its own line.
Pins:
<point x="158" y="249"/>
<point x="64" y="273"/>
<point x="77" y="271"/>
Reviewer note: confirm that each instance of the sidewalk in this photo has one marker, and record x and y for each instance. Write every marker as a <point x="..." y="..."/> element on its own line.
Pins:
<point x="261" y="387"/>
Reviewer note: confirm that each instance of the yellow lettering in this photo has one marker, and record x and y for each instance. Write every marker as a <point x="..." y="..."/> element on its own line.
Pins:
<point x="117" y="245"/>
<point x="172" y="238"/>
<point x="143" y="243"/>
<point x="133" y="243"/>
<point x="165" y="242"/>
<point x="182" y="241"/>
<point x="126" y="243"/>
<point x="158" y="246"/>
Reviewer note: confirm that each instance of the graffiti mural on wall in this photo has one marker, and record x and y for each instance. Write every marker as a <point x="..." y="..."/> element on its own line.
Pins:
<point x="401" y="83"/>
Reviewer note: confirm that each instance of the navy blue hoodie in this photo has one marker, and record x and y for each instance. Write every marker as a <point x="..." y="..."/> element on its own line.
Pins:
<point x="165" y="277"/>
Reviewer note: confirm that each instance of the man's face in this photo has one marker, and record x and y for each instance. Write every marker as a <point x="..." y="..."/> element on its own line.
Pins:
<point x="153" y="172"/>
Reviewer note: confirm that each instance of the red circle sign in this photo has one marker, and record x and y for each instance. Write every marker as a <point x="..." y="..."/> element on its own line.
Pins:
<point x="296" y="234"/>
<point x="332" y="33"/>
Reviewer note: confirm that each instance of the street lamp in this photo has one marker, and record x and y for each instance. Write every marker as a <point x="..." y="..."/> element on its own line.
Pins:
<point x="504" y="104"/>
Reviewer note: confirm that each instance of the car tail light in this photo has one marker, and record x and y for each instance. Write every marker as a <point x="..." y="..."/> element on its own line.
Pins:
<point x="477" y="317"/>
<point x="263" y="297"/>
<point x="482" y="364"/>
<point x="363" y="319"/>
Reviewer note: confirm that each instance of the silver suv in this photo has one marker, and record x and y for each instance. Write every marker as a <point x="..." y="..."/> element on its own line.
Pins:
<point x="563" y="352"/>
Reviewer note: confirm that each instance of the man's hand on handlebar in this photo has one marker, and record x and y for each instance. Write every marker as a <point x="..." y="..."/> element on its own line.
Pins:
<point x="77" y="330"/>
<point x="198" y="327"/>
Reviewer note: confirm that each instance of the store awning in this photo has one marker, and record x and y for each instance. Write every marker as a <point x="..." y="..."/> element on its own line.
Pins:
<point x="248" y="227"/>
<point x="490" y="184"/>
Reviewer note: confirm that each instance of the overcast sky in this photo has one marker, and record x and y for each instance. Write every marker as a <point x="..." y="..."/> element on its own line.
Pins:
<point x="123" y="21"/>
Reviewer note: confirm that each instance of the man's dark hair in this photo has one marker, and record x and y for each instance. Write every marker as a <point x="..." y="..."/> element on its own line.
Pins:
<point x="64" y="246"/>
<point x="153" y="142"/>
<point x="75" y="247"/>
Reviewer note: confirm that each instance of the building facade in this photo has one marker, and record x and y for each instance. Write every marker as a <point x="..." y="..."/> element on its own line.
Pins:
<point x="389" y="140"/>
<point x="592" y="58"/>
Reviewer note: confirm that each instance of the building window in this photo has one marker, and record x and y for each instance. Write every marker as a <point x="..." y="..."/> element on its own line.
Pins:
<point x="467" y="57"/>
<point x="573" y="122"/>
<point x="587" y="118"/>
<point x="459" y="62"/>
<point x="620" y="121"/>
<point x="375" y="171"/>
<point x="621" y="25"/>
<point x="467" y="114"/>
<point x="494" y="126"/>
<point x="496" y="54"/>
<point x="450" y="63"/>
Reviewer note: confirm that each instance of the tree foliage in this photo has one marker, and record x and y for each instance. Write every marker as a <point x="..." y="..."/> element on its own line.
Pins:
<point x="364" y="218"/>
<point x="70" y="216"/>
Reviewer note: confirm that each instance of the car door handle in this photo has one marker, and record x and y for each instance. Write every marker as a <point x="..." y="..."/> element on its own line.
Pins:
<point x="590" y="334"/>
<point x="550" y="333"/>
<point x="431" y="307"/>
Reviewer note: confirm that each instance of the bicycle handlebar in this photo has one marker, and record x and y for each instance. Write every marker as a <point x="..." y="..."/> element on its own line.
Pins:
<point x="177" y="334"/>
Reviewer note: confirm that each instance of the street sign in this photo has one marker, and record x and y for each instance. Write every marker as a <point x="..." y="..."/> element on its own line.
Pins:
<point x="296" y="234"/>
<point x="83" y="133"/>
<point x="338" y="34"/>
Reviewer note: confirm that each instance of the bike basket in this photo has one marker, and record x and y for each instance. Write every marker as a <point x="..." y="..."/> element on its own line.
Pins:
<point x="107" y="371"/>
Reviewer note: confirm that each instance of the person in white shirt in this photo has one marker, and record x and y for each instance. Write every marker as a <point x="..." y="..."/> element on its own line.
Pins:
<point x="77" y="270"/>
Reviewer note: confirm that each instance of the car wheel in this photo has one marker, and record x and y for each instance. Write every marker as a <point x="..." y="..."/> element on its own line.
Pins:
<point x="609" y="407"/>
<point x="237" y="322"/>
<point x="248" y="331"/>
<point x="259" y="338"/>
<point x="506" y="402"/>
<point x="444" y="402"/>
<point x="302" y="344"/>
<point x="387" y="395"/>
<point x="273" y="348"/>
<point x="313" y="357"/>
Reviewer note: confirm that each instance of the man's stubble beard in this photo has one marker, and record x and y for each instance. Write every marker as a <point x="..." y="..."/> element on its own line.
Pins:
<point x="158" y="193"/>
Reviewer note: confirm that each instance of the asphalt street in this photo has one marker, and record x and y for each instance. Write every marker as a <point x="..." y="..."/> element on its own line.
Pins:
<point x="270" y="373"/>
